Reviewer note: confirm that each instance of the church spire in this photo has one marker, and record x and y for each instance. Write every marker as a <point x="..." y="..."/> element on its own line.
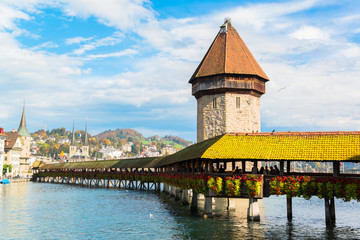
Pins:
<point x="73" y="136"/>
<point x="22" y="126"/>
<point x="86" y="141"/>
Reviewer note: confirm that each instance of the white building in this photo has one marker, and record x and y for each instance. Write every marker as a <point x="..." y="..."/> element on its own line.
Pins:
<point x="151" y="151"/>
<point x="127" y="147"/>
<point x="168" y="150"/>
<point x="64" y="140"/>
<point x="111" y="153"/>
<point x="13" y="149"/>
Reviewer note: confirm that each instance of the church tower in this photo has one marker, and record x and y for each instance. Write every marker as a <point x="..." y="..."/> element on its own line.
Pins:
<point x="73" y="149"/>
<point x="25" y="145"/>
<point x="85" y="147"/>
<point x="228" y="84"/>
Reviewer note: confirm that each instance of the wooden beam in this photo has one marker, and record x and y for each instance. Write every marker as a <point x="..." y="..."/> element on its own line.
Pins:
<point x="288" y="167"/>
<point x="336" y="168"/>
<point x="289" y="208"/>
<point x="281" y="168"/>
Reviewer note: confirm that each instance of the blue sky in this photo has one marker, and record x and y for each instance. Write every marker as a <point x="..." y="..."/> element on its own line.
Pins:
<point x="126" y="64"/>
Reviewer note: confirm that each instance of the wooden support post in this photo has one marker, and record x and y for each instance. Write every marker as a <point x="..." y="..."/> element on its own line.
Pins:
<point x="288" y="167"/>
<point x="328" y="218"/>
<point x="206" y="166"/>
<point x="233" y="166"/>
<point x="289" y="208"/>
<point x="193" y="165"/>
<point x="281" y="168"/>
<point x="336" y="168"/>
<point x="243" y="166"/>
<point x="256" y="166"/>
<point x="332" y="209"/>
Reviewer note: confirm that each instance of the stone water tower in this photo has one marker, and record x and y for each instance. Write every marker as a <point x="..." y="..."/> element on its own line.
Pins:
<point x="228" y="84"/>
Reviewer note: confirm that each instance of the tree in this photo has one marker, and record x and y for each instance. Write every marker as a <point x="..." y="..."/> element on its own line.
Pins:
<point x="135" y="148"/>
<point x="5" y="166"/>
<point x="108" y="142"/>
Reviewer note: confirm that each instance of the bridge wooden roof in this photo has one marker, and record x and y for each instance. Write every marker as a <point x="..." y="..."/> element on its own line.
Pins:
<point x="296" y="146"/>
<point x="119" y="163"/>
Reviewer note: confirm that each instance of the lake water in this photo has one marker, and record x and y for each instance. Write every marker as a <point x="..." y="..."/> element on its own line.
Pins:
<point x="56" y="211"/>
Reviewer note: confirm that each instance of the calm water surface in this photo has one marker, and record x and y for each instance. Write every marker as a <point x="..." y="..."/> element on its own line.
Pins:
<point x="55" y="211"/>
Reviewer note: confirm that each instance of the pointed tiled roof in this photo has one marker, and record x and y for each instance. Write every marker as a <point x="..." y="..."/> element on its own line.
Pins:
<point x="22" y="126"/>
<point x="86" y="141"/>
<point x="73" y="137"/>
<point x="228" y="54"/>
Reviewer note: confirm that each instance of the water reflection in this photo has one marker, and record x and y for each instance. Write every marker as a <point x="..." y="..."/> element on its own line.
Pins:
<point x="55" y="211"/>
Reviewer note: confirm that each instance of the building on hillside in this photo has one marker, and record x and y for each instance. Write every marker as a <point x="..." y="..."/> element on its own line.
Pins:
<point x="25" y="166"/>
<point x="110" y="153"/>
<point x="64" y="140"/>
<point x="168" y="150"/>
<point x="151" y="151"/>
<point x="2" y="150"/>
<point x="227" y="85"/>
<point x="51" y="138"/>
<point x="127" y="147"/>
<point x="13" y="152"/>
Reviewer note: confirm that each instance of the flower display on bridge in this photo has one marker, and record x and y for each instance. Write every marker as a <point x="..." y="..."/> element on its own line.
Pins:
<point x="322" y="187"/>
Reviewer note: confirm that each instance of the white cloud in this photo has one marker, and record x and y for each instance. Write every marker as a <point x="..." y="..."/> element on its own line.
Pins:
<point x="107" y="41"/>
<point x="318" y="65"/>
<point x="77" y="40"/>
<point x="8" y="15"/>
<point x="311" y="33"/>
<point x="121" y="14"/>
<point x="126" y="52"/>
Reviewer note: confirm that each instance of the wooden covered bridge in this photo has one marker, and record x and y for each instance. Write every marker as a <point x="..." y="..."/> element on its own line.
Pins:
<point x="229" y="166"/>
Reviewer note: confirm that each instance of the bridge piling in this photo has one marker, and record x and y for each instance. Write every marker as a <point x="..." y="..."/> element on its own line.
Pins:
<point x="230" y="204"/>
<point x="253" y="210"/>
<point x="194" y="202"/>
<point x="185" y="197"/>
<point x="208" y="206"/>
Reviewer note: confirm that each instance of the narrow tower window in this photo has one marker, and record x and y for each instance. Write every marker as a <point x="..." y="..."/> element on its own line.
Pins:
<point x="237" y="102"/>
<point x="214" y="102"/>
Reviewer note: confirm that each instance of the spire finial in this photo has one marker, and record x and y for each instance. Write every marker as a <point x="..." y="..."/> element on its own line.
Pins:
<point x="223" y="28"/>
<point x="86" y="141"/>
<point x="73" y="138"/>
<point x="22" y="126"/>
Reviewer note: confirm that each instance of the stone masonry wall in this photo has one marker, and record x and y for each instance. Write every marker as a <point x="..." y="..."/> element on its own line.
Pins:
<point x="245" y="119"/>
<point x="210" y="121"/>
<point x="226" y="117"/>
